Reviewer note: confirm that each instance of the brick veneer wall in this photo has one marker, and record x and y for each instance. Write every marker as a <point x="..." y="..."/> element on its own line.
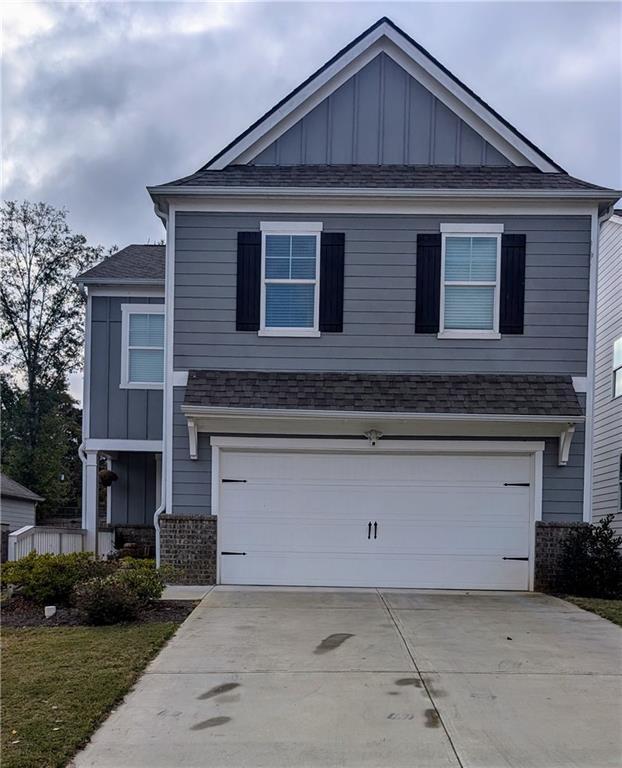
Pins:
<point x="549" y="545"/>
<point x="188" y="547"/>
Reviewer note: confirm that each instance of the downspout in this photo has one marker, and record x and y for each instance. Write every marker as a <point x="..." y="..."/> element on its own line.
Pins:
<point x="163" y="216"/>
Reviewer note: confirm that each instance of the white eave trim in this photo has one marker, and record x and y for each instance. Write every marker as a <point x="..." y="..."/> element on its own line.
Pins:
<point x="198" y="411"/>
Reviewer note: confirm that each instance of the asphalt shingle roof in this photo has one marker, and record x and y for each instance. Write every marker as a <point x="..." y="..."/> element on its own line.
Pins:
<point x="134" y="262"/>
<point x="11" y="489"/>
<point x="384" y="177"/>
<point x="456" y="394"/>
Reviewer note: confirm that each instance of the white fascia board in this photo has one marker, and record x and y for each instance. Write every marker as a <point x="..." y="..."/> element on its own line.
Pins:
<point x="197" y="411"/>
<point x="143" y="446"/>
<point x="386" y="40"/>
<point x="132" y="290"/>
<point x="383" y="445"/>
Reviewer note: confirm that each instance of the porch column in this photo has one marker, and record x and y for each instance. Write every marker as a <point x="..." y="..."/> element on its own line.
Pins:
<point x="89" y="500"/>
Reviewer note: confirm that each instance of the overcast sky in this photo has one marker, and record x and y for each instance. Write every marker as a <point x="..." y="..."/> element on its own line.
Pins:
<point x="101" y="99"/>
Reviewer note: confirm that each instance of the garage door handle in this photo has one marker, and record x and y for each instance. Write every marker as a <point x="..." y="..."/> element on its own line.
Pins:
<point x="516" y="558"/>
<point x="520" y="485"/>
<point x="233" y="553"/>
<point x="369" y="530"/>
<point x="375" y="530"/>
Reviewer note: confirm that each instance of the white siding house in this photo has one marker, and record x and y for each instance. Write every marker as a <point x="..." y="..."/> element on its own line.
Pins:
<point x="17" y="506"/>
<point x="607" y="490"/>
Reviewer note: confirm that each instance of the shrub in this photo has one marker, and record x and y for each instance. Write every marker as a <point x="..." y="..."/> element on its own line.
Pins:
<point x="591" y="561"/>
<point x="50" y="579"/>
<point x="146" y="583"/>
<point x="106" y="600"/>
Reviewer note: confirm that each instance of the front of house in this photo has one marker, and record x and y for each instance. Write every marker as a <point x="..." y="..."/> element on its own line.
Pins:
<point x="364" y="356"/>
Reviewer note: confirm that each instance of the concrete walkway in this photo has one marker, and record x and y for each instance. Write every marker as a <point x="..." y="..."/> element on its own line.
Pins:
<point x="286" y="677"/>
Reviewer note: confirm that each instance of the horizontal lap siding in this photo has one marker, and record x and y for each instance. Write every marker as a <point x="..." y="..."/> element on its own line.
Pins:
<point x="191" y="477"/>
<point x="115" y="413"/>
<point x="379" y="301"/>
<point x="16" y="513"/>
<point x="608" y="412"/>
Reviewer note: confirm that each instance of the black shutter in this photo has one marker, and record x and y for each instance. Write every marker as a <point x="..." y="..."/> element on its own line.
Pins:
<point x="512" y="291"/>
<point x="428" y="291"/>
<point x="332" y="248"/>
<point x="248" y="287"/>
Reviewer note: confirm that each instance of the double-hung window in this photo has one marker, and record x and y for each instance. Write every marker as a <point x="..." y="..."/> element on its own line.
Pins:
<point x="290" y="278"/>
<point x="142" y="351"/>
<point x="470" y="272"/>
<point x="617" y="367"/>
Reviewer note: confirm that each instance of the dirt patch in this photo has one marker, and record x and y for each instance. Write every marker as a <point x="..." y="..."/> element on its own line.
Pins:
<point x="432" y="720"/>
<point x="19" y="612"/>
<point x="218" y="690"/>
<point x="331" y="642"/>
<point x="414" y="681"/>
<point x="213" y="722"/>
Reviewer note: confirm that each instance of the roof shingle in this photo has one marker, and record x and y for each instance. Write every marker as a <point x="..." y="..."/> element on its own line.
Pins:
<point x="454" y="394"/>
<point x="11" y="489"/>
<point x="134" y="262"/>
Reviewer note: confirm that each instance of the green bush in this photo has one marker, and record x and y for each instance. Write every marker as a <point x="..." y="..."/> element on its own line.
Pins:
<point x="106" y="600"/>
<point x="146" y="582"/>
<point x="50" y="579"/>
<point x="592" y="562"/>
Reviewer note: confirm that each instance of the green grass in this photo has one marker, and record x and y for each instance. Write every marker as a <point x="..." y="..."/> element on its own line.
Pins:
<point x="58" y="684"/>
<point x="608" y="609"/>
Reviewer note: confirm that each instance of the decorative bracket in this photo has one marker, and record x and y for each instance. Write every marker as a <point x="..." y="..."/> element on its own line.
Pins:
<point x="373" y="435"/>
<point x="565" y="441"/>
<point x="193" y="439"/>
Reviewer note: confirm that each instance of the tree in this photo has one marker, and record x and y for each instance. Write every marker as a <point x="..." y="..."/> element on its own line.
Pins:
<point x="41" y="311"/>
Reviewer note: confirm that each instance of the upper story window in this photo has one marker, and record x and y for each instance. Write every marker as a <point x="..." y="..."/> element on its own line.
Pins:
<point x="470" y="272"/>
<point x="290" y="278"/>
<point x="142" y="351"/>
<point x="617" y="367"/>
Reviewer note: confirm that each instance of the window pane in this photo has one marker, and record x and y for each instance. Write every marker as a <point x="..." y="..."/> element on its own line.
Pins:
<point x="469" y="308"/>
<point x="617" y="383"/>
<point x="471" y="258"/>
<point x="277" y="269"/>
<point x="146" y="330"/>
<point x="146" y="365"/>
<point x="289" y="306"/>
<point x="617" y="353"/>
<point x="290" y="256"/>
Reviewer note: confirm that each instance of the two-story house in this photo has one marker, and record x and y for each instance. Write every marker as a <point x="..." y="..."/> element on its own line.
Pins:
<point x="365" y="355"/>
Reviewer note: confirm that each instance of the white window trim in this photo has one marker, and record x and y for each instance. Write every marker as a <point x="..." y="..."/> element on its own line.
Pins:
<point x="615" y="369"/>
<point x="468" y="230"/>
<point x="126" y="311"/>
<point x="313" y="228"/>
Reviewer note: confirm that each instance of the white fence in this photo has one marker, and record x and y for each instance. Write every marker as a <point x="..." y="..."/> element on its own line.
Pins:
<point x="53" y="541"/>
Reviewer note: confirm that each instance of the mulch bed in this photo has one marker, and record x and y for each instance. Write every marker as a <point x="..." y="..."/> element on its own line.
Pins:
<point x="19" y="612"/>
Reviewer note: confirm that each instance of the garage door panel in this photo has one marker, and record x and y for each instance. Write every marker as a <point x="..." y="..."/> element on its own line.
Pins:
<point x="443" y="521"/>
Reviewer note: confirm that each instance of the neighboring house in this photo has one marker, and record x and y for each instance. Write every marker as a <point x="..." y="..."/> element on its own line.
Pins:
<point x="371" y="341"/>
<point x="607" y="477"/>
<point x="18" y="505"/>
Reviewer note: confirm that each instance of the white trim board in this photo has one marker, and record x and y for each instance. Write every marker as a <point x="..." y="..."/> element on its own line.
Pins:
<point x="105" y="444"/>
<point x="384" y="38"/>
<point x="126" y="311"/>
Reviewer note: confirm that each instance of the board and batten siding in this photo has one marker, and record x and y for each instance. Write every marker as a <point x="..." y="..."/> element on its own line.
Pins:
<point x="379" y="300"/>
<point x="133" y="498"/>
<point x="16" y="513"/>
<point x="124" y="414"/>
<point x="381" y="116"/>
<point x="607" y="410"/>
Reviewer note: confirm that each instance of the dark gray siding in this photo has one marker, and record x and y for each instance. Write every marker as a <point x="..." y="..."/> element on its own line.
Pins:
<point x="134" y="493"/>
<point x="381" y="116"/>
<point x="562" y="487"/>
<point x="379" y="301"/>
<point x="125" y="414"/>
<point x="608" y="412"/>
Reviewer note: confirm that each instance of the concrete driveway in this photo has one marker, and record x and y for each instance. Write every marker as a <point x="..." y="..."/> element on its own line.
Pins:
<point x="287" y="677"/>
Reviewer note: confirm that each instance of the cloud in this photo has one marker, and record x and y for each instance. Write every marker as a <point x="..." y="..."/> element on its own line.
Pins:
<point x="101" y="99"/>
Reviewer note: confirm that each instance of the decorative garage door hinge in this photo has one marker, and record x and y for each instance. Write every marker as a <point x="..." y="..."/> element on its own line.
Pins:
<point x="512" y="558"/>
<point x="232" y="480"/>
<point x="521" y="485"/>
<point x="233" y="553"/>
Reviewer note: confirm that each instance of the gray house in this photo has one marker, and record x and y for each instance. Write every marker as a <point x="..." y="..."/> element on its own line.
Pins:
<point x="365" y="355"/>
<point x="607" y="477"/>
<point x="18" y="505"/>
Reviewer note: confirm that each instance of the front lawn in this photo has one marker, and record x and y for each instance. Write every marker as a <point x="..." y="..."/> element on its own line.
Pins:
<point x="58" y="684"/>
<point x="608" y="609"/>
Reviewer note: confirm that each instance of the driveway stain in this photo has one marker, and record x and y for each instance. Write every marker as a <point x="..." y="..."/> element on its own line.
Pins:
<point x="211" y="723"/>
<point x="414" y="681"/>
<point x="218" y="690"/>
<point x="332" y="642"/>
<point x="432" y="720"/>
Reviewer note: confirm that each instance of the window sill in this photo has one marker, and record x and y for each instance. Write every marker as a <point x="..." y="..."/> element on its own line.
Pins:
<point x="290" y="332"/>
<point x="142" y="385"/>
<point x="489" y="335"/>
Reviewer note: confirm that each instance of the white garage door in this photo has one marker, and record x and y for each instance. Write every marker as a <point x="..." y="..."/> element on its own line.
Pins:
<point x="386" y="520"/>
